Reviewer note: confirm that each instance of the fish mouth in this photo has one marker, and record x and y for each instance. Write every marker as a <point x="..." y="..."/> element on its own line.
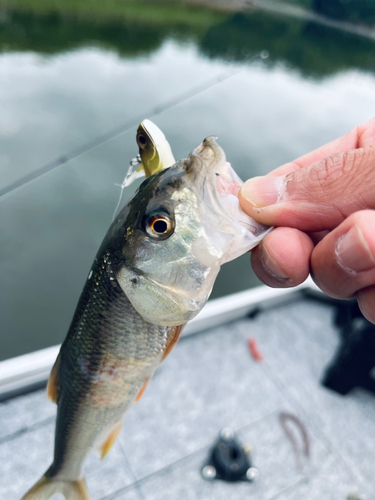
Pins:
<point x="227" y="225"/>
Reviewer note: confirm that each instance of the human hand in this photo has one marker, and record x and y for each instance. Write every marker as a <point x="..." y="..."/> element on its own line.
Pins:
<point x="323" y="207"/>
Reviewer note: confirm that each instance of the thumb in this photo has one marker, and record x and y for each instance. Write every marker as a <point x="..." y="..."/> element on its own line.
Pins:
<point x="317" y="197"/>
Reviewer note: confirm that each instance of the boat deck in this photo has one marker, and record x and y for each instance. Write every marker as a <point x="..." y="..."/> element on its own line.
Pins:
<point x="211" y="381"/>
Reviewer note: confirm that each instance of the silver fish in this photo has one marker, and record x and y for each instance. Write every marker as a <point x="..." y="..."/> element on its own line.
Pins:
<point x="153" y="273"/>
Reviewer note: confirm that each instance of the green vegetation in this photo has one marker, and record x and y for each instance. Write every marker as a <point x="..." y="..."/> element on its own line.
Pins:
<point x="301" y="3"/>
<point x="52" y="33"/>
<point x="162" y="12"/>
<point x="133" y="28"/>
<point x="348" y="10"/>
<point x="355" y="11"/>
<point x="181" y="11"/>
<point x="129" y="27"/>
<point x="315" y="50"/>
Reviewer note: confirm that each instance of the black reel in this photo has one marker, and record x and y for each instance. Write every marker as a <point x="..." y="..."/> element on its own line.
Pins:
<point x="354" y="361"/>
<point x="229" y="460"/>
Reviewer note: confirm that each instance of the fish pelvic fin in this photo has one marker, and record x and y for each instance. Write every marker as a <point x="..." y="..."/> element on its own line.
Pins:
<point x="46" y="487"/>
<point x="110" y="439"/>
<point x="53" y="385"/>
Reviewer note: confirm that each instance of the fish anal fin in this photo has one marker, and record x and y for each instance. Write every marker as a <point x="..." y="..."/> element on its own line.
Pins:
<point x="46" y="487"/>
<point x="172" y="340"/>
<point x="53" y="381"/>
<point x="141" y="391"/>
<point x="110" y="439"/>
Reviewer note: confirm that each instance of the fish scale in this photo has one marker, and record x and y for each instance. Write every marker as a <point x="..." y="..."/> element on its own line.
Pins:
<point x="108" y="354"/>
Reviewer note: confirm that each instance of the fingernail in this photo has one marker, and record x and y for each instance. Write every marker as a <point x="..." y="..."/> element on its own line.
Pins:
<point x="353" y="253"/>
<point x="263" y="191"/>
<point x="271" y="267"/>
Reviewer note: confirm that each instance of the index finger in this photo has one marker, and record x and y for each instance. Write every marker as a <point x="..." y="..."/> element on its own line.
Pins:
<point x="361" y="136"/>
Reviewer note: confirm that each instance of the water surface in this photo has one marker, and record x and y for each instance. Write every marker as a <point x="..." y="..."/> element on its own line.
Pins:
<point x="73" y="87"/>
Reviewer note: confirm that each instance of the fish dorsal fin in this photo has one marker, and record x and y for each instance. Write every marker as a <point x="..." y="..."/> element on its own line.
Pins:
<point x="53" y="382"/>
<point x="172" y="340"/>
<point x="110" y="439"/>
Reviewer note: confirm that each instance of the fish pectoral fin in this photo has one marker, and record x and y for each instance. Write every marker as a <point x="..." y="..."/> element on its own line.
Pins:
<point x="53" y="381"/>
<point x="46" y="487"/>
<point x="172" y="340"/>
<point x="141" y="391"/>
<point x="110" y="439"/>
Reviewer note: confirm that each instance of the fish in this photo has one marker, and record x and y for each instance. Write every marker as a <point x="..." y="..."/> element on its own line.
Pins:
<point x="153" y="272"/>
<point x="155" y="154"/>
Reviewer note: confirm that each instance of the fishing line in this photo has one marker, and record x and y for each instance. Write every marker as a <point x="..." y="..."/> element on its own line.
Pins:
<point x="102" y="139"/>
<point x="134" y="163"/>
<point x="99" y="141"/>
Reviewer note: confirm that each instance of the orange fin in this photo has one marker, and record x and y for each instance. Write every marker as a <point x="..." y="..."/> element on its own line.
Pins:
<point x="53" y="382"/>
<point x="172" y="341"/>
<point x="46" y="487"/>
<point x="111" y="438"/>
<point x="142" y="390"/>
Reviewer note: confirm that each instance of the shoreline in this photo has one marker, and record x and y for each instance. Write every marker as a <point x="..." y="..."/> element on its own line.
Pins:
<point x="290" y="10"/>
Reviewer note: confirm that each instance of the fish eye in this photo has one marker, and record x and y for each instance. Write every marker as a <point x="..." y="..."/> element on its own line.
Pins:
<point x="159" y="225"/>
<point x="142" y="141"/>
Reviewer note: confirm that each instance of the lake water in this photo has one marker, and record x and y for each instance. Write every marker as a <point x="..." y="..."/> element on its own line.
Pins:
<point x="74" y="84"/>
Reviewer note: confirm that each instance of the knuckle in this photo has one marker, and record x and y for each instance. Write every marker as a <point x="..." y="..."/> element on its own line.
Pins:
<point x="345" y="177"/>
<point x="340" y="170"/>
<point x="328" y="172"/>
<point x="365" y="133"/>
<point x="331" y="176"/>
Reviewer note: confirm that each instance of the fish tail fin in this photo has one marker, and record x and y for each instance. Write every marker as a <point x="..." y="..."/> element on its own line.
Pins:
<point x="46" y="487"/>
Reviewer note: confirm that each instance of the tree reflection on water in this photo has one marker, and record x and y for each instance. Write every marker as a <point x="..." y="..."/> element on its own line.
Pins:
<point x="312" y="49"/>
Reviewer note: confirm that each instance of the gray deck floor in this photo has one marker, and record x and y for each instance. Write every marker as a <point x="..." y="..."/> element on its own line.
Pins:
<point x="210" y="381"/>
